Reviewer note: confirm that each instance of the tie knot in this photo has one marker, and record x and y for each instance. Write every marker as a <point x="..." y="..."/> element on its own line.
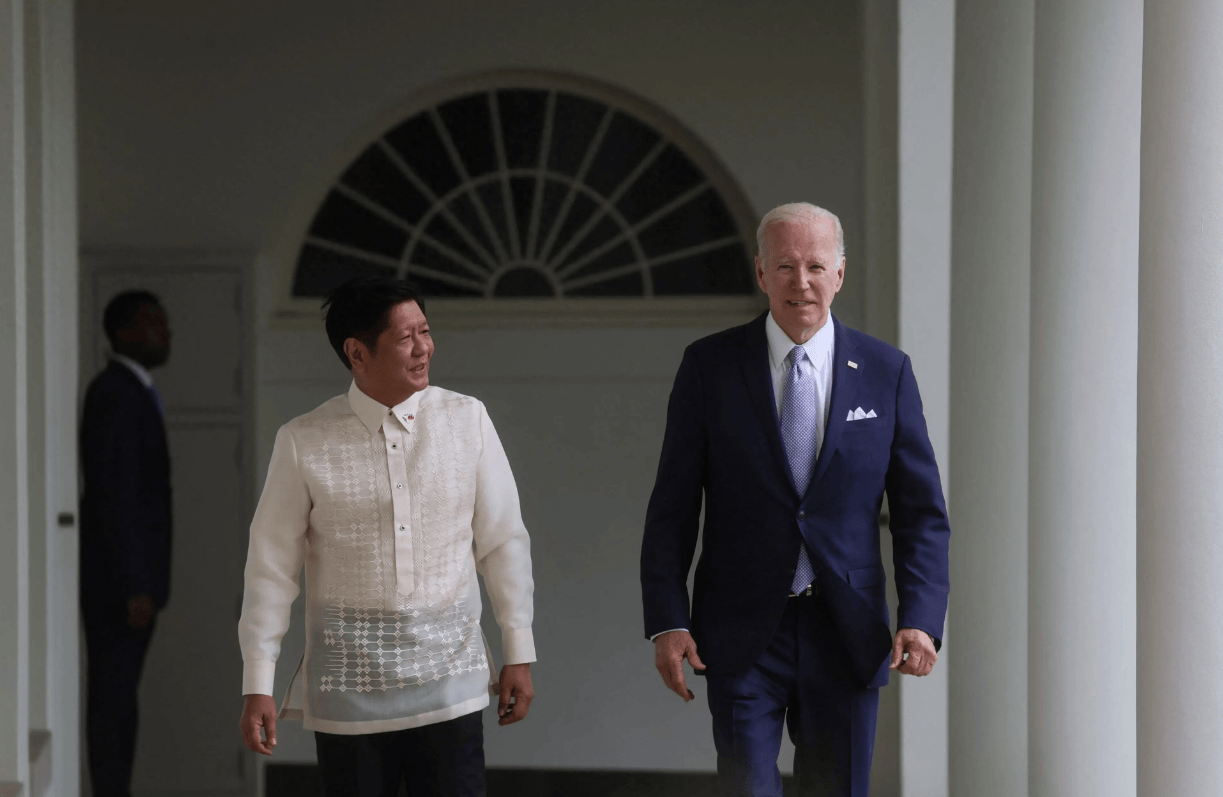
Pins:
<point x="797" y="355"/>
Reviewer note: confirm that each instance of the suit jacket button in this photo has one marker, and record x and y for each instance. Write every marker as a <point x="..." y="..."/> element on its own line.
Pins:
<point x="802" y="515"/>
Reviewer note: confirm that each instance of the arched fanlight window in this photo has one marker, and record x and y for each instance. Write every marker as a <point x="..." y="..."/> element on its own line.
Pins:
<point x="531" y="191"/>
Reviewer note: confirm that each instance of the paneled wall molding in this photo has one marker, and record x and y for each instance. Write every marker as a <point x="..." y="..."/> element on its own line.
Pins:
<point x="207" y="389"/>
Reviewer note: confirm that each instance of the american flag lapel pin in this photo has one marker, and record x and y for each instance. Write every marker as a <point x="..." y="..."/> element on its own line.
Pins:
<point x="852" y="364"/>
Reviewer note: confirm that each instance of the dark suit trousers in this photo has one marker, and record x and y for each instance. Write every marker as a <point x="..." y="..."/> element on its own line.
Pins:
<point x="115" y="657"/>
<point x="801" y="680"/>
<point x="445" y="759"/>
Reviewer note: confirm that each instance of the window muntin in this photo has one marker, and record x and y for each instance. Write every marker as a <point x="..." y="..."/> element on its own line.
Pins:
<point x="531" y="192"/>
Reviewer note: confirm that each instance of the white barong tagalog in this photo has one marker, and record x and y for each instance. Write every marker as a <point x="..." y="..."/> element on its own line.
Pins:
<point x="392" y="511"/>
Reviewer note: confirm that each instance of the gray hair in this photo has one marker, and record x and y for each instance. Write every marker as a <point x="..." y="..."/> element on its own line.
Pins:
<point x="799" y="213"/>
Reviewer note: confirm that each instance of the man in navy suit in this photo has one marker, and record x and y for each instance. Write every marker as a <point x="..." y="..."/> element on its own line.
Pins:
<point x="792" y="429"/>
<point x="125" y="530"/>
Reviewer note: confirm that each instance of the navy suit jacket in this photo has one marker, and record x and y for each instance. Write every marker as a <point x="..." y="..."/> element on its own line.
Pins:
<point x="723" y="444"/>
<point x="125" y="509"/>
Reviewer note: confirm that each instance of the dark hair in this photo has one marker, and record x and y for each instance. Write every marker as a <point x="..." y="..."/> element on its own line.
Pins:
<point x="361" y="309"/>
<point x="120" y="313"/>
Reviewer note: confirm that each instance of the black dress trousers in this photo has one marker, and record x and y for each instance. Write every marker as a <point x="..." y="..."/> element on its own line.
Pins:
<point x="115" y="655"/>
<point x="445" y="759"/>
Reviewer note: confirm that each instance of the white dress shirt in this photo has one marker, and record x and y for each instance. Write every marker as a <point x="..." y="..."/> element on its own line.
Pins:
<point x="136" y="368"/>
<point x="392" y="511"/>
<point x="819" y="348"/>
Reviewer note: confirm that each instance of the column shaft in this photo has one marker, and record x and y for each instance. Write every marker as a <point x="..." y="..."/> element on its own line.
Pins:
<point x="37" y="463"/>
<point x="61" y="311"/>
<point x="1083" y="412"/>
<point x="926" y="36"/>
<point x="1180" y="393"/>
<point x="988" y="496"/>
<point x="14" y="520"/>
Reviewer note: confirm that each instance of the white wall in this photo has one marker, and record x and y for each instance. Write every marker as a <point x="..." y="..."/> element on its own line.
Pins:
<point x="201" y="120"/>
<point x="202" y="124"/>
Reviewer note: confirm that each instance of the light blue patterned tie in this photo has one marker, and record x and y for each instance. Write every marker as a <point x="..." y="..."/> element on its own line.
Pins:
<point x="800" y="434"/>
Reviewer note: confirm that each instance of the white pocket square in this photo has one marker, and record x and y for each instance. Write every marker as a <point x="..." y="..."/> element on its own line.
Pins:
<point x="858" y="415"/>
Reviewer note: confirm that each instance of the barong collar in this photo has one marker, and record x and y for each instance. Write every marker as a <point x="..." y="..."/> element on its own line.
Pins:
<point x="373" y="414"/>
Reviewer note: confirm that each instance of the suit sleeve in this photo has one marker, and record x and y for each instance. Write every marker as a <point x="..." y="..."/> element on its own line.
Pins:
<point x="920" y="529"/>
<point x="110" y="459"/>
<point x="273" y="564"/>
<point x="673" y="516"/>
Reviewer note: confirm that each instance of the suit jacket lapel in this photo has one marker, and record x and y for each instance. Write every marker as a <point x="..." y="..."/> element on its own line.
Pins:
<point x="759" y="379"/>
<point x="844" y="392"/>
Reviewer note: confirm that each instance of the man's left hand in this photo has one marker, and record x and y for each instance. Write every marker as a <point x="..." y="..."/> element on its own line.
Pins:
<point x="515" y="685"/>
<point x="919" y="648"/>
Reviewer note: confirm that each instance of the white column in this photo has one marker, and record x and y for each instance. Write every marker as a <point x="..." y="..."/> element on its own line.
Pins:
<point x="926" y="46"/>
<point x="1083" y="413"/>
<point x="14" y="521"/>
<point x="878" y="260"/>
<point x="37" y="462"/>
<point x="988" y="495"/>
<point x="59" y="249"/>
<point x="1180" y="394"/>
<point x="39" y="670"/>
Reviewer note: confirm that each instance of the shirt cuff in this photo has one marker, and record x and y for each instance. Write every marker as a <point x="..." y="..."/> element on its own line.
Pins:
<point x="518" y="644"/>
<point x="258" y="677"/>
<point x="669" y="630"/>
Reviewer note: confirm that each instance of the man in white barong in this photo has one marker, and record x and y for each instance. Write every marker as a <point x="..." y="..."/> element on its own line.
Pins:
<point x="393" y="495"/>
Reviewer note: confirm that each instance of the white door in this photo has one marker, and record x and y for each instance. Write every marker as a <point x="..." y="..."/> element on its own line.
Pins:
<point x="190" y="694"/>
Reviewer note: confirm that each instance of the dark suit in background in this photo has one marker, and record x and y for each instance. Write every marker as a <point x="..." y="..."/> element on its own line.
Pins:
<point x="125" y="552"/>
<point x="723" y="445"/>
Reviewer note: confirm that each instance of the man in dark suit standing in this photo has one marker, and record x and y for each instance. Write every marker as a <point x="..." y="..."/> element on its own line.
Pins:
<point x="125" y="530"/>
<point x="791" y="429"/>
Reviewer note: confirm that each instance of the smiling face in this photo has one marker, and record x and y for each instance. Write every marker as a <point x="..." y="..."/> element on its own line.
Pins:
<point x="398" y="365"/>
<point x="801" y="271"/>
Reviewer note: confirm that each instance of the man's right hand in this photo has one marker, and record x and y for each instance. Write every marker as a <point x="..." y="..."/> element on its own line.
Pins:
<point x="670" y="650"/>
<point x="258" y="713"/>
